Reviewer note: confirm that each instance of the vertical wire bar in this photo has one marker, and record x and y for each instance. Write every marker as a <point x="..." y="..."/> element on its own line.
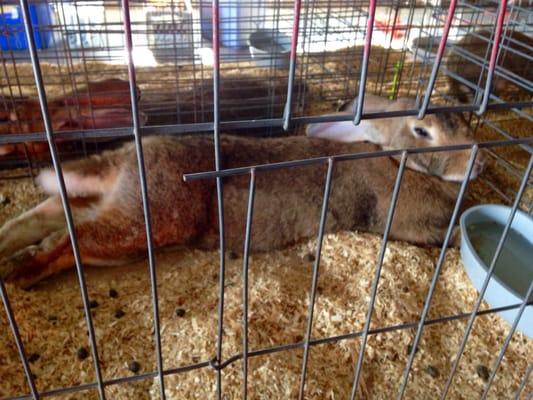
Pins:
<point x="490" y="271"/>
<point x="245" y="263"/>
<point x="438" y="60"/>
<point x="220" y="189"/>
<point x="374" y="292"/>
<point x="436" y="274"/>
<point x="486" y="58"/>
<point x="18" y="340"/>
<point x="292" y="66"/>
<point x="28" y="28"/>
<point x="493" y="57"/>
<point x="358" y="111"/>
<point x="314" y="283"/>
<point x="144" y="190"/>
<point x="523" y="383"/>
<point x="507" y="341"/>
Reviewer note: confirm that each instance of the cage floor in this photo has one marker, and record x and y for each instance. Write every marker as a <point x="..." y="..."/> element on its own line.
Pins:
<point x="52" y="325"/>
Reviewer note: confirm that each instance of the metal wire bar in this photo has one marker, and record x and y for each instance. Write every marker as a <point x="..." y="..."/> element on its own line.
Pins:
<point x="493" y="57"/>
<point x="348" y="157"/>
<point x="509" y="167"/>
<point x="269" y="350"/>
<point x="524" y="382"/>
<point x="383" y="61"/>
<point x="502" y="132"/>
<point x="144" y="191"/>
<point x="220" y="189"/>
<point x="358" y="111"/>
<point x="314" y="281"/>
<point x="245" y="124"/>
<point x="499" y="71"/>
<point x="507" y="341"/>
<point x="379" y="265"/>
<point x="18" y="341"/>
<point x="287" y="115"/>
<point x="438" y="60"/>
<point x="245" y="263"/>
<point x="28" y="29"/>
<point x="490" y="271"/>
<point x="436" y="274"/>
<point x="506" y="135"/>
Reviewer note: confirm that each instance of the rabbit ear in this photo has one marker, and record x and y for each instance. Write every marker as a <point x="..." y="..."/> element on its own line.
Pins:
<point x="342" y="131"/>
<point x="105" y="118"/>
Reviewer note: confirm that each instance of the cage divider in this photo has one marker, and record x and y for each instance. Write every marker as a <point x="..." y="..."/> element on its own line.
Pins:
<point x="243" y="124"/>
<point x="480" y="105"/>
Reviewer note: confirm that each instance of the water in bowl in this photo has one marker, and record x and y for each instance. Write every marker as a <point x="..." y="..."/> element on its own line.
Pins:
<point x="515" y="264"/>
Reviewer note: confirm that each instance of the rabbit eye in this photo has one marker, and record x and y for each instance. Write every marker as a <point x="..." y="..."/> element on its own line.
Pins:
<point x="421" y="132"/>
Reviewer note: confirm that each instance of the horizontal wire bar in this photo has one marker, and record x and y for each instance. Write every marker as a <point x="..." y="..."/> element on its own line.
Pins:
<point x="269" y="350"/>
<point x="349" y="157"/>
<point x="256" y="123"/>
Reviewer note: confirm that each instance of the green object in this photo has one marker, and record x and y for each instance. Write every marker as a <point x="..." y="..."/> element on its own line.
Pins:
<point x="397" y="67"/>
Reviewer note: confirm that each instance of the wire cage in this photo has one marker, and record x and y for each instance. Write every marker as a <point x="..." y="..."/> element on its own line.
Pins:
<point x="222" y="327"/>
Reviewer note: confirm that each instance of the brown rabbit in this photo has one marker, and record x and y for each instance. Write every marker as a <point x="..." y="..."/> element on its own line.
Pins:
<point x="516" y="50"/>
<point x="100" y="105"/>
<point x="106" y="204"/>
<point x="403" y="133"/>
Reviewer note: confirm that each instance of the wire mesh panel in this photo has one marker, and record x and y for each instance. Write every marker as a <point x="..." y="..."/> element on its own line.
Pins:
<point x="345" y="315"/>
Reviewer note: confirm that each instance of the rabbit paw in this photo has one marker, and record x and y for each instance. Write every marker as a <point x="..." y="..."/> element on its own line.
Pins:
<point x="20" y="263"/>
<point x="455" y="239"/>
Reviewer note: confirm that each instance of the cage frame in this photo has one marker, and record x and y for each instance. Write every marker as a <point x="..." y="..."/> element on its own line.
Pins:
<point x="218" y="363"/>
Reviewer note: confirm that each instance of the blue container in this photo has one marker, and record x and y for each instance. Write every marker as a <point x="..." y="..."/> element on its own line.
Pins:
<point x="13" y="36"/>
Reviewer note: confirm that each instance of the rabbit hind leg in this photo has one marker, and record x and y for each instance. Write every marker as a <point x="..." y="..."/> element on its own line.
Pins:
<point x="37" y="223"/>
<point x="54" y="253"/>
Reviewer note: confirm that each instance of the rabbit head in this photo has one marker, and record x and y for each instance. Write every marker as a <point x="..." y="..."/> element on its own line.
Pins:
<point x="407" y="133"/>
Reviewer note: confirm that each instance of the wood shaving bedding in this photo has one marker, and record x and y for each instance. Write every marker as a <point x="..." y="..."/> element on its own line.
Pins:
<point x="52" y="325"/>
